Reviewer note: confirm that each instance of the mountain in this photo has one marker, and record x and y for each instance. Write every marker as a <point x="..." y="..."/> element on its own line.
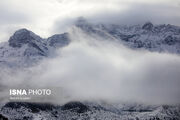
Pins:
<point x="87" y="111"/>
<point x="25" y="48"/>
<point x="160" y="38"/>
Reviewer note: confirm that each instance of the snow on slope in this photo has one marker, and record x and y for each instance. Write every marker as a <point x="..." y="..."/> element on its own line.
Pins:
<point x="88" y="111"/>
<point x="160" y="38"/>
<point x="25" y="49"/>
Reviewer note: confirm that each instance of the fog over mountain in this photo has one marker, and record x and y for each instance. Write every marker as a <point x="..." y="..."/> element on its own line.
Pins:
<point x="103" y="67"/>
<point x="105" y="59"/>
<point x="96" y="67"/>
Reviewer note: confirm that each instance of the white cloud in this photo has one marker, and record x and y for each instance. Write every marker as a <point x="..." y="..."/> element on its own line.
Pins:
<point x="41" y="16"/>
<point x="92" y="69"/>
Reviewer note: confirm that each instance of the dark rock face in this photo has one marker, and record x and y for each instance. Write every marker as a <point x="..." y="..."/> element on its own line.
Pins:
<point x="76" y="107"/>
<point x="170" y="40"/>
<point x="147" y="26"/>
<point x="3" y="117"/>
<point x="127" y="37"/>
<point x="36" y="45"/>
<point x="21" y="37"/>
<point x="35" y="50"/>
<point x="59" y="40"/>
<point x="138" y="44"/>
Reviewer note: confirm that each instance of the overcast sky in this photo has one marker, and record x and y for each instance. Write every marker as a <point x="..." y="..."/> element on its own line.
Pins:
<point x="46" y="17"/>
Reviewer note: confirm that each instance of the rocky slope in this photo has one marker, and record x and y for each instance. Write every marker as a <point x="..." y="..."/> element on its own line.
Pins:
<point x="25" y="49"/>
<point x="160" y="38"/>
<point x="87" y="111"/>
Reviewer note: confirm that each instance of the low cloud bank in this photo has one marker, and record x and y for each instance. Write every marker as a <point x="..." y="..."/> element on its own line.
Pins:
<point x="91" y="68"/>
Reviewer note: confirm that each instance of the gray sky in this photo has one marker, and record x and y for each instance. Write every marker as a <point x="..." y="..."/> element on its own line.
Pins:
<point x="46" y="17"/>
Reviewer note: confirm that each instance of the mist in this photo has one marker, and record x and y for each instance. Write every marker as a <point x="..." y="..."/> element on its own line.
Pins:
<point x="48" y="17"/>
<point x="92" y="68"/>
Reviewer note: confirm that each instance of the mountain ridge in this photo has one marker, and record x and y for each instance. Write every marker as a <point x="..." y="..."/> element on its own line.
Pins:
<point x="25" y="49"/>
<point x="29" y="48"/>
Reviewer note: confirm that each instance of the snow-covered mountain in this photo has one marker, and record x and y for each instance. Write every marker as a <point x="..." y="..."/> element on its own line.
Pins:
<point x="87" y="111"/>
<point x="25" y="48"/>
<point x="160" y="38"/>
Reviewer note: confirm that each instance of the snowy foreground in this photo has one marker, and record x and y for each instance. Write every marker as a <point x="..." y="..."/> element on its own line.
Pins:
<point x="87" y="111"/>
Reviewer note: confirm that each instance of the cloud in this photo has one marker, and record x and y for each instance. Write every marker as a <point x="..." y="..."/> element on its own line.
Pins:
<point x="123" y="13"/>
<point x="93" y="69"/>
<point x="36" y="15"/>
<point x="88" y="68"/>
<point x="46" y="17"/>
<point x="156" y="13"/>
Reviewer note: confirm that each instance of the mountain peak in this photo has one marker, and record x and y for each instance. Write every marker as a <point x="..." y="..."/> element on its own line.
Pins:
<point x="21" y="37"/>
<point x="20" y="31"/>
<point x="147" y="26"/>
